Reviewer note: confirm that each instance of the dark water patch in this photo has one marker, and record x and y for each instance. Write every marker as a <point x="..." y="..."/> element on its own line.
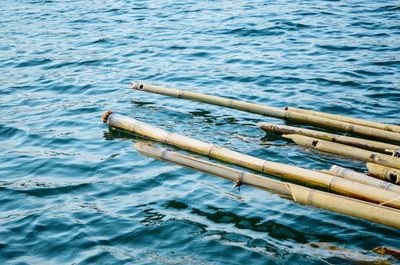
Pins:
<point x="367" y="72"/>
<point x="388" y="62"/>
<point x="245" y="32"/>
<point x="10" y="132"/>
<point x="346" y="83"/>
<point x="34" y="62"/>
<point x="200" y="54"/>
<point x="386" y="8"/>
<point x="338" y="47"/>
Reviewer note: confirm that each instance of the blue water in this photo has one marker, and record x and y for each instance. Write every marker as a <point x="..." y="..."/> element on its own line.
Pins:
<point x="72" y="191"/>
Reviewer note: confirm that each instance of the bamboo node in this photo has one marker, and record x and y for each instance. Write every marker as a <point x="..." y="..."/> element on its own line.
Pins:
<point x="210" y="150"/>
<point x="285" y="116"/>
<point x="229" y="103"/>
<point x="166" y="140"/>
<point x="309" y="196"/>
<point x="291" y="192"/>
<point x="273" y="127"/>
<point x="163" y="154"/>
<point x="374" y="157"/>
<point x="180" y="94"/>
<point x="105" y="116"/>
<point x="264" y="166"/>
<point x="350" y="128"/>
<point x="134" y="126"/>
<point x="385" y="185"/>
<point x="333" y="179"/>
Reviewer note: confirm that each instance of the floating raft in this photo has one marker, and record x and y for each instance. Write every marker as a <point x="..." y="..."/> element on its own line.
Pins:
<point x="300" y="194"/>
<point x="382" y="156"/>
<point x="310" y="177"/>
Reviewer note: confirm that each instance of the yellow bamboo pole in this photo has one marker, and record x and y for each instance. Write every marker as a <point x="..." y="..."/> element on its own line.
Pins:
<point x="372" y="124"/>
<point x="303" y="195"/>
<point x="361" y="178"/>
<point x="333" y="183"/>
<point x="213" y="100"/>
<point x="385" y="173"/>
<point x="352" y="141"/>
<point x="271" y="112"/>
<point x="344" y="150"/>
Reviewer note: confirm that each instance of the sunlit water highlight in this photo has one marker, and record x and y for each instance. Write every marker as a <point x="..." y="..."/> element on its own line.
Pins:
<point x="74" y="192"/>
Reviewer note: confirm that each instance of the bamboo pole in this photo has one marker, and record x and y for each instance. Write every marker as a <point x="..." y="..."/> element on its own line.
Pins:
<point x="340" y="204"/>
<point x="361" y="178"/>
<point x="352" y="141"/>
<point x="271" y="112"/>
<point x="313" y="178"/>
<point x="372" y="124"/>
<point x="344" y="150"/>
<point x="385" y="173"/>
<point x="213" y="100"/>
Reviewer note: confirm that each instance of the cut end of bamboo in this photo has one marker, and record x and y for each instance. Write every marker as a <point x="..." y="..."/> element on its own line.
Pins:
<point x="144" y="148"/>
<point x="104" y="117"/>
<point x="386" y="173"/>
<point x="135" y="85"/>
<point x="268" y="127"/>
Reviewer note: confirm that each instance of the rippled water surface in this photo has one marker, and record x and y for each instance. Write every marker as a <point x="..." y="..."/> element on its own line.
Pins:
<point x="72" y="191"/>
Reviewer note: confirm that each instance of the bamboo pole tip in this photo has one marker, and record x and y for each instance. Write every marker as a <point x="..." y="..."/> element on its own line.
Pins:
<point x="135" y="85"/>
<point x="104" y="117"/>
<point x="289" y="136"/>
<point x="261" y="124"/>
<point x="139" y="145"/>
<point x="268" y="127"/>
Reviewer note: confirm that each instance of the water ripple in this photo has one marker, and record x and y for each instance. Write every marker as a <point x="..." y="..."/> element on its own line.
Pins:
<point x="76" y="192"/>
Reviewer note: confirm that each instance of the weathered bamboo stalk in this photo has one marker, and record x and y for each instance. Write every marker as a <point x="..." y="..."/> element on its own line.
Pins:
<point x="333" y="183"/>
<point x="385" y="173"/>
<point x="271" y="112"/>
<point x="344" y="150"/>
<point x="361" y="178"/>
<point x="303" y="195"/>
<point x="213" y="100"/>
<point x="372" y="124"/>
<point x="352" y="141"/>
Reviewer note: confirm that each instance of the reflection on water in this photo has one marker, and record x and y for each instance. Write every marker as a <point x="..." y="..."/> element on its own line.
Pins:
<point x="74" y="192"/>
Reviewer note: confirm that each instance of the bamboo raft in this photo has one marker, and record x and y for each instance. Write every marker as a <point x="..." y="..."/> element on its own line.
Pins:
<point x="374" y="197"/>
<point x="309" y="177"/>
<point x="297" y="193"/>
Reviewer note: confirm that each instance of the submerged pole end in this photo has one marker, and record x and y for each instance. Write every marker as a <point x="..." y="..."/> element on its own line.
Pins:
<point x="289" y="136"/>
<point x="135" y="85"/>
<point x="104" y="117"/>
<point x="140" y="145"/>
<point x="268" y="127"/>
